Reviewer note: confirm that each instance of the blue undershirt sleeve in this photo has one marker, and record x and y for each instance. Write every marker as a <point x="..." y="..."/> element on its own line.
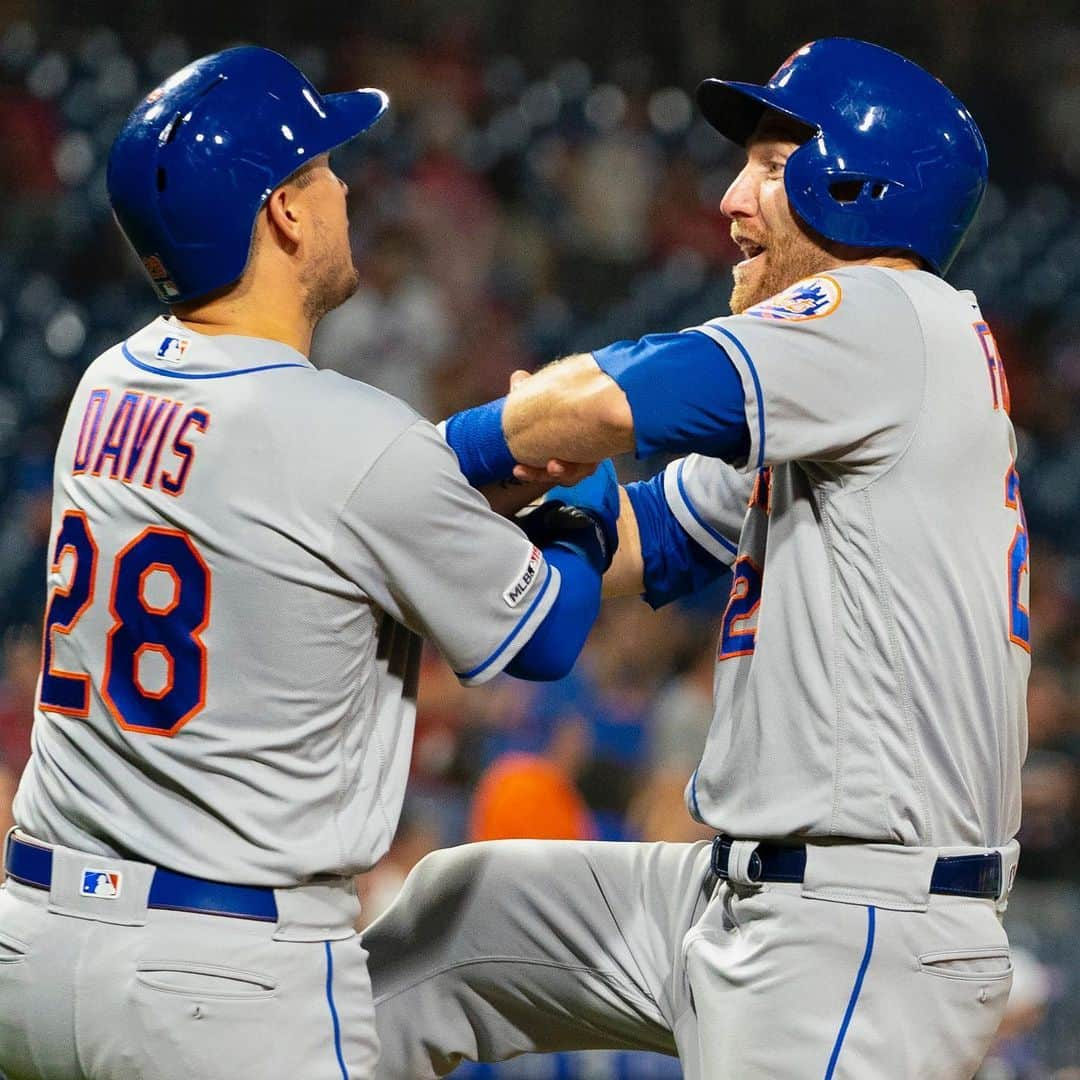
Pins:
<point x="555" y="644"/>
<point x="674" y="563"/>
<point x="684" y="392"/>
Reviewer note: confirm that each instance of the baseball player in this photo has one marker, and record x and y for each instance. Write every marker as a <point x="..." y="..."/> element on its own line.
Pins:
<point x="244" y="552"/>
<point x="849" y="455"/>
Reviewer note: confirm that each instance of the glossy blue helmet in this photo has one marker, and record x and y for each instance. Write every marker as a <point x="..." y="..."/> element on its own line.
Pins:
<point x="196" y="160"/>
<point x="894" y="159"/>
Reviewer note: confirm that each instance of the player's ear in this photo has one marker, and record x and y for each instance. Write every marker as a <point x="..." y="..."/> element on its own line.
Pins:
<point x="282" y="214"/>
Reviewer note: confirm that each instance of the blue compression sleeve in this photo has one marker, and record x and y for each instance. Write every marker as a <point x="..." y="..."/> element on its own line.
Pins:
<point x="551" y="651"/>
<point x="476" y="436"/>
<point x="684" y="392"/>
<point x="675" y="563"/>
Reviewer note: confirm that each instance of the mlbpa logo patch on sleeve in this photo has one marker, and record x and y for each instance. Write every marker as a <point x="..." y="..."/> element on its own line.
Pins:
<point x="100" y="883"/>
<point x="811" y="298"/>
<point x="516" y="593"/>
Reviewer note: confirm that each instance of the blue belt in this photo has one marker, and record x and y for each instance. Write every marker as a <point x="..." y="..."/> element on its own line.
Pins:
<point x="954" y="875"/>
<point x="31" y="864"/>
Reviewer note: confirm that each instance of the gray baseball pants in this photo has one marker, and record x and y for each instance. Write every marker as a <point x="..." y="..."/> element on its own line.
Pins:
<point x="96" y="988"/>
<point x="499" y="949"/>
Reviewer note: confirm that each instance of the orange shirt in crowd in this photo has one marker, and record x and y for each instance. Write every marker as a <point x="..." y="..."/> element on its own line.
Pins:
<point x="522" y="796"/>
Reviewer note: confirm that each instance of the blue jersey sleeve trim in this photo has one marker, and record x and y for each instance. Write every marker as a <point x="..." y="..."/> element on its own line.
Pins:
<point x="554" y="646"/>
<point x="757" y="390"/>
<point x="333" y="1011"/>
<point x="505" y="643"/>
<point x="199" y="375"/>
<point x="722" y="540"/>
<point x="684" y="392"/>
<point x="855" y="991"/>
<point x="695" y="809"/>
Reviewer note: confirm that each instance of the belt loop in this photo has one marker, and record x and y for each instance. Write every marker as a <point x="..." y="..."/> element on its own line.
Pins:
<point x="744" y="863"/>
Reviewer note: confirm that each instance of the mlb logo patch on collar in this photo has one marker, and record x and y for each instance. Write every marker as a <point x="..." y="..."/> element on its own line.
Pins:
<point x="811" y="298"/>
<point x="172" y="348"/>
<point x="100" y="883"/>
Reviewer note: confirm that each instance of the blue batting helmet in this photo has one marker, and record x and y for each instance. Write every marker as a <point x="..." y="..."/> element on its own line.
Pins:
<point x="196" y="160"/>
<point x="894" y="158"/>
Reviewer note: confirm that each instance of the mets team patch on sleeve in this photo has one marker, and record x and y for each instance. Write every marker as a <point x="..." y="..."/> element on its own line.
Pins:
<point x="811" y="298"/>
<point x="523" y="582"/>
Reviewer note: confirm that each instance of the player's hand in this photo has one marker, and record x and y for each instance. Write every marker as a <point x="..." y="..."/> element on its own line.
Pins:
<point x="509" y="496"/>
<point x="564" y="473"/>
<point x="587" y="511"/>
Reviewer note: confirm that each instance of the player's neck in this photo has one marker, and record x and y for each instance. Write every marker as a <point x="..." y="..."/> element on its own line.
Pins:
<point x="895" y="262"/>
<point x="890" y="260"/>
<point x="277" y="316"/>
<point x="296" y="335"/>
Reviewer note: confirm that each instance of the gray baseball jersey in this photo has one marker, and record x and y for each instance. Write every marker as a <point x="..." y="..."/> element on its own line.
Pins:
<point x="874" y="653"/>
<point x="244" y="549"/>
<point x="869" y="684"/>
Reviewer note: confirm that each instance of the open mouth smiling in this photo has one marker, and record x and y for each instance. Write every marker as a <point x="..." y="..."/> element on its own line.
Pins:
<point x="749" y="248"/>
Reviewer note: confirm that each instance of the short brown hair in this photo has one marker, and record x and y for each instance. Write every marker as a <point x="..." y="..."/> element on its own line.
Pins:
<point x="304" y="175"/>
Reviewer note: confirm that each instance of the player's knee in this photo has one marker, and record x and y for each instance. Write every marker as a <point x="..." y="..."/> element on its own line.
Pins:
<point x="435" y="892"/>
<point x="446" y="876"/>
<point x="495" y="869"/>
<point x="455" y="886"/>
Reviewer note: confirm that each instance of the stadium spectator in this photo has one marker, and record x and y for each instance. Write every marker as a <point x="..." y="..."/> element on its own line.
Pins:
<point x="524" y="796"/>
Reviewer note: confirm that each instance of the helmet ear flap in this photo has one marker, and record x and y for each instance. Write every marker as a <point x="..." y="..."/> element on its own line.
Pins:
<point x="848" y="206"/>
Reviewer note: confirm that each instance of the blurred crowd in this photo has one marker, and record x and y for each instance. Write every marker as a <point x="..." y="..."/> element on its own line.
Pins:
<point x="502" y="216"/>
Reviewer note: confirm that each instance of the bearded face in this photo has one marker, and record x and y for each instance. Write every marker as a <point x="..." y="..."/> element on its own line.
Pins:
<point x="329" y="278"/>
<point x="774" y="260"/>
<point x="777" y="249"/>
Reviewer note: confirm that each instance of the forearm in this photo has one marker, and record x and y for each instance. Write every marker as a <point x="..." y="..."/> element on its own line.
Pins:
<point x="625" y="576"/>
<point x="672" y="563"/>
<point x="663" y="393"/>
<point x="569" y="410"/>
<point x="507" y="497"/>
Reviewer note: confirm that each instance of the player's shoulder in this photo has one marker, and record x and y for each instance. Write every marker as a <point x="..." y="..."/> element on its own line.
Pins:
<point x="356" y="400"/>
<point x="326" y="412"/>
<point x="848" y="304"/>
<point x="840" y="294"/>
<point x="110" y="361"/>
<point x="260" y="377"/>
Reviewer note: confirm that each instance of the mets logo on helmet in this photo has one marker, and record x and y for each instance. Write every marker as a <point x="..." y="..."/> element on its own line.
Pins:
<point x="810" y="298"/>
<point x="789" y="61"/>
